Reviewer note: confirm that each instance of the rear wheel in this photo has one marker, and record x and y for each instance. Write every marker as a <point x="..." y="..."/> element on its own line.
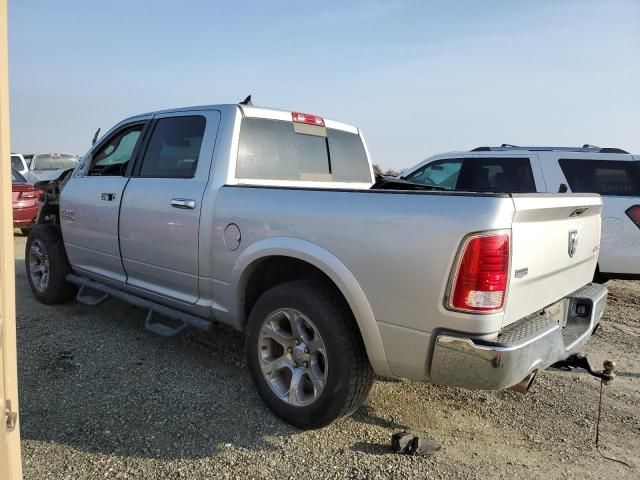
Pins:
<point x="305" y="354"/>
<point x="47" y="265"/>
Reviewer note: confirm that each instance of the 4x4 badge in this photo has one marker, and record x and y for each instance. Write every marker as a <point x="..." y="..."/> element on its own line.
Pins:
<point x="573" y="242"/>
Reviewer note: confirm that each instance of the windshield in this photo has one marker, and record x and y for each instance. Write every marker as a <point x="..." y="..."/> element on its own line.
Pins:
<point x="53" y="161"/>
<point x="16" y="177"/>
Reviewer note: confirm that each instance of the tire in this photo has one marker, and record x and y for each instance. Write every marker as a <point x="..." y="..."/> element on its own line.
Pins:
<point x="45" y="255"/>
<point x="337" y="359"/>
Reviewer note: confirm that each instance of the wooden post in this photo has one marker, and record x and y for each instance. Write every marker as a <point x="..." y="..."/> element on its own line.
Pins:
<point x="10" y="461"/>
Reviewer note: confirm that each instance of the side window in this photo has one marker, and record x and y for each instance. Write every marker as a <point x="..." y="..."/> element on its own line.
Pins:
<point x="501" y="174"/>
<point x="16" y="163"/>
<point x="606" y="177"/>
<point x="114" y="156"/>
<point x="174" y="148"/>
<point x="441" y="173"/>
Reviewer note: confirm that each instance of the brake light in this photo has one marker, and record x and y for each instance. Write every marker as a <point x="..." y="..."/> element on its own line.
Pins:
<point x="29" y="194"/>
<point x="480" y="283"/>
<point x="306" y="118"/>
<point x="634" y="214"/>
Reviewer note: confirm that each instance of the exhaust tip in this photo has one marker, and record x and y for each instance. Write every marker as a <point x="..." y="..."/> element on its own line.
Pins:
<point x="525" y="384"/>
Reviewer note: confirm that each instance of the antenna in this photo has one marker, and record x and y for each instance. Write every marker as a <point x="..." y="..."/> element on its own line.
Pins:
<point x="246" y="101"/>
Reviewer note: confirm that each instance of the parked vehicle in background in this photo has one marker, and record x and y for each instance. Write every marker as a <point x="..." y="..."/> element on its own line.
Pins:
<point x="270" y="221"/>
<point x="19" y="164"/>
<point x="610" y="172"/>
<point x="27" y="158"/>
<point x="48" y="166"/>
<point x="25" y="202"/>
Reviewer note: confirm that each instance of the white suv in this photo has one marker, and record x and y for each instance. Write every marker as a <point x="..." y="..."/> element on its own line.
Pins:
<point x="611" y="172"/>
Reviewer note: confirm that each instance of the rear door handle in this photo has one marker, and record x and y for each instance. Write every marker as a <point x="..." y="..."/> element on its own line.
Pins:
<point x="108" y="197"/>
<point x="183" y="203"/>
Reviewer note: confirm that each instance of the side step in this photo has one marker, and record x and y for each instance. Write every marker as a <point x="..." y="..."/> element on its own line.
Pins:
<point x="88" y="296"/>
<point x="184" y="319"/>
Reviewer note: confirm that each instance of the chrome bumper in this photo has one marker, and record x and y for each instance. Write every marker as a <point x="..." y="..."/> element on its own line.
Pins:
<point x="527" y="346"/>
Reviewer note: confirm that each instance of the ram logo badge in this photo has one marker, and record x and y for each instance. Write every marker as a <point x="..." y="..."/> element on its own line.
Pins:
<point x="573" y="242"/>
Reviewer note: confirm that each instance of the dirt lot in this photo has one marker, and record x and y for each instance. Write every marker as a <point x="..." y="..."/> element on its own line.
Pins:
<point x="103" y="398"/>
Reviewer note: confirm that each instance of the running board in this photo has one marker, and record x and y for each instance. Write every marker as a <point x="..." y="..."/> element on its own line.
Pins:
<point x="85" y="296"/>
<point x="184" y="319"/>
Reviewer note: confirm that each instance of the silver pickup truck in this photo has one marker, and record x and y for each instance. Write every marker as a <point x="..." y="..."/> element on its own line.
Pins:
<point x="272" y="222"/>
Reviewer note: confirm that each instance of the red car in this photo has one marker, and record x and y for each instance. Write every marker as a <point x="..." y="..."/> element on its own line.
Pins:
<point x="25" y="202"/>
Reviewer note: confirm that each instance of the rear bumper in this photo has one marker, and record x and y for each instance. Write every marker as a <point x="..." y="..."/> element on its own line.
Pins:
<point x="529" y="345"/>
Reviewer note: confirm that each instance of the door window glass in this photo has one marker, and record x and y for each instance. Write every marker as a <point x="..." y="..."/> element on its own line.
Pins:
<point x="606" y="177"/>
<point x="114" y="156"/>
<point x="174" y="148"/>
<point x="441" y="173"/>
<point x="501" y="174"/>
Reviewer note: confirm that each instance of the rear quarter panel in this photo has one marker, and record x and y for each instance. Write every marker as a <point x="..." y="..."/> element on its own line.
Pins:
<point x="399" y="246"/>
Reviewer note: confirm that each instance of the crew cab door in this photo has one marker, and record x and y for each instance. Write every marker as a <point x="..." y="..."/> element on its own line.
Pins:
<point x="90" y="202"/>
<point x="160" y="211"/>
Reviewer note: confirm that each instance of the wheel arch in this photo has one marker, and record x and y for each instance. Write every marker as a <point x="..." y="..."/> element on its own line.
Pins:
<point x="312" y="259"/>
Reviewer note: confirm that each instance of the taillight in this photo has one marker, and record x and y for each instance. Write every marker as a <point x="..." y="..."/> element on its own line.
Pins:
<point x="634" y="214"/>
<point x="306" y="118"/>
<point x="480" y="282"/>
<point x="29" y="194"/>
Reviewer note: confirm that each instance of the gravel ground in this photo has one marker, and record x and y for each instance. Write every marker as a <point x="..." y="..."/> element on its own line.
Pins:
<point x="103" y="398"/>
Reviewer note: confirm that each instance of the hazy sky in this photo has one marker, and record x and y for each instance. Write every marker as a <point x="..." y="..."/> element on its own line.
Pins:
<point x="418" y="77"/>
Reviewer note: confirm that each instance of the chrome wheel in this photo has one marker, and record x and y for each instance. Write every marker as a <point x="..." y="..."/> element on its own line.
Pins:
<point x="38" y="266"/>
<point x="292" y="357"/>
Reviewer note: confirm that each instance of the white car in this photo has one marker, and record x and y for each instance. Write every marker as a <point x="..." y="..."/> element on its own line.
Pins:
<point x="611" y="172"/>
<point x="48" y="166"/>
<point x="19" y="164"/>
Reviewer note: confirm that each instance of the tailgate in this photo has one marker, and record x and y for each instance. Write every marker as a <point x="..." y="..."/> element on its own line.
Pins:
<point x="555" y="240"/>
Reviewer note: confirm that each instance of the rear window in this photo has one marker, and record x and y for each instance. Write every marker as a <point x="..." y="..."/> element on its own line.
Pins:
<point x="272" y="150"/>
<point x="53" y="161"/>
<point x="606" y="177"/>
<point x="499" y="175"/>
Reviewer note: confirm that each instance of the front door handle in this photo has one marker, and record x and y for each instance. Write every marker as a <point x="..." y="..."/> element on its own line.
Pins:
<point x="108" y="197"/>
<point x="183" y="203"/>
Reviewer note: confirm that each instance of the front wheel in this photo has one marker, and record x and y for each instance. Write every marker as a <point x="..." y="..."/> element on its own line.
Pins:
<point x="47" y="265"/>
<point x="305" y="354"/>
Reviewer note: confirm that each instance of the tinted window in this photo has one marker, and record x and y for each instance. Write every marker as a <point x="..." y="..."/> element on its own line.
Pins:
<point x="272" y="150"/>
<point x="16" y="177"/>
<point x="441" y="173"/>
<point x="349" y="162"/>
<point x="114" y="156"/>
<point x="606" y="177"/>
<point x="511" y="175"/>
<point x="174" y="148"/>
<point x="16" y="162"/>
<point x="53" y="161"/>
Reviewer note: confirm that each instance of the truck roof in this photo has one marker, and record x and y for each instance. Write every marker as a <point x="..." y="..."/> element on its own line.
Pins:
<point x="252" y="112"/>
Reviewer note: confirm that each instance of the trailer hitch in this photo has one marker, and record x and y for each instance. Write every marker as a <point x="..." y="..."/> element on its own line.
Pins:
<point x="580" y="361"/>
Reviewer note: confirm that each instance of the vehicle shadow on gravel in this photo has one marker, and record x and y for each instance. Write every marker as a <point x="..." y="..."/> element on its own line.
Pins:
<point x="95" y="380"/>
